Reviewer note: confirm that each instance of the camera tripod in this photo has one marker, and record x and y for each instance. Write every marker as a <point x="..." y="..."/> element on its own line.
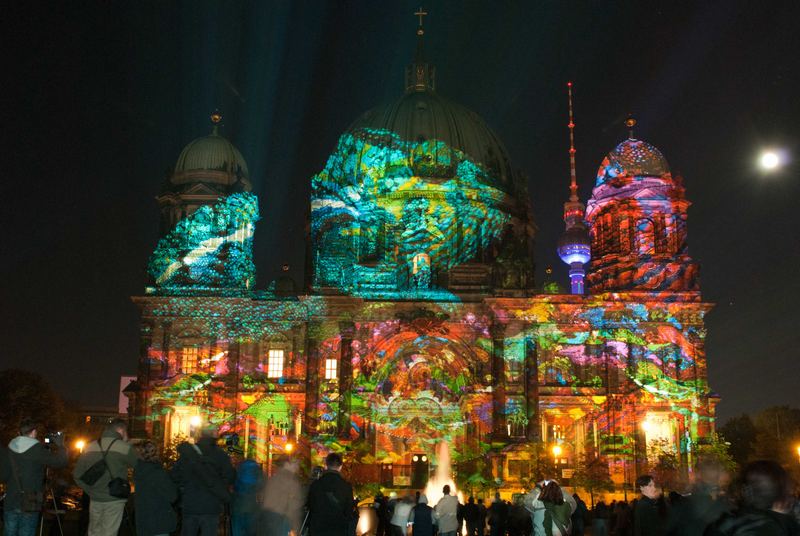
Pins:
<point x="56" y="512"/>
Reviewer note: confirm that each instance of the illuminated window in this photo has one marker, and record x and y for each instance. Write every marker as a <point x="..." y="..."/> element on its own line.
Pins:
<point x="330" y="369"/>
<point x="275" y="364"/>
<point x="189" y="360"/>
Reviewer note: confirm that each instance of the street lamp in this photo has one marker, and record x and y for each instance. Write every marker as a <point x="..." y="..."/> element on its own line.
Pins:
<point x="557" y="450"/>
<point x="80" y="444"/>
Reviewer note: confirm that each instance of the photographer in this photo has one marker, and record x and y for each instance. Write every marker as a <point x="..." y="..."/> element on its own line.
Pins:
<point x="27" y="461"/>
<point x="102" y="472"/>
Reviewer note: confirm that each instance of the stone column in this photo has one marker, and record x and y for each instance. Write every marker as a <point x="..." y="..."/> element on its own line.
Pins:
<point x="313" y="333"/>
<point x="532" y="389"/>
<point x="346" y="331"/>
<point x="500" y="432"/>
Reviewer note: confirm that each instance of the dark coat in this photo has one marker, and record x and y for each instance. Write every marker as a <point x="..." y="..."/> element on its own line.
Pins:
<point x="422" y="517"/>
<point x="647" y="520"/>
<point x="752" y="522"/>
<point x="330" y="505"/>
<point x="204" y="478"/>
<point x="498" y="514"/>
<point x="30" y="458"/>
<point x="155" y="494"/>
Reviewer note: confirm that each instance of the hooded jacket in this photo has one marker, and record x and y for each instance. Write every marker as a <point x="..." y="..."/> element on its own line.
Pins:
<point x="155" y="494"/>
<point x="204" y="475"/>
<point x="119" y="458"/>
<point x="31" y="458"/>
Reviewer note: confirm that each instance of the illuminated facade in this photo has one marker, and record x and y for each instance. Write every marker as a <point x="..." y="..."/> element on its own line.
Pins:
<point x="420" y="322"/>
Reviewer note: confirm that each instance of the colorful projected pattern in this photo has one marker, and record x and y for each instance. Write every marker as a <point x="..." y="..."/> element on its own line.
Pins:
<point x="211" y="248"/>
<point x="384" y="222"/>
<point x="399" y="365"/>
<point x="637" y="217"/>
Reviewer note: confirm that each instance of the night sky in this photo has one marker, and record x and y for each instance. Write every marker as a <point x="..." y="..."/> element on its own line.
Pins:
<point x="99" y="99"/>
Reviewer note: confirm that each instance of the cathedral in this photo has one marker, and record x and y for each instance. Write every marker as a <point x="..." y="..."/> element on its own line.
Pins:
<point x="419" y="328"/>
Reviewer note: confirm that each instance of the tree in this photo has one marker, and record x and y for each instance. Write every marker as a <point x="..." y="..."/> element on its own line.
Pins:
<point x="27" y="394"/>
<point x="740" y="432"/>
<point x="717" y="449"/>
<point x="592" y="474"/>
<point x="777" y="434"/>
<point x="664" y="463"/>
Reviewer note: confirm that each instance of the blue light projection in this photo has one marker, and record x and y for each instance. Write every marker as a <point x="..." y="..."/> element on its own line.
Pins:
<point x="212" y="248"/>
<point x="391" y="216"/>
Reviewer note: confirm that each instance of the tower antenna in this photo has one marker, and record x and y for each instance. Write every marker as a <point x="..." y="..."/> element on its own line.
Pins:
<point x="573" y="175"/>
<point x="574" y="246"/>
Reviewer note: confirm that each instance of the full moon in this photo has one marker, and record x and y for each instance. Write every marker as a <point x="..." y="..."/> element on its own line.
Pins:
<point x="769" y="160"/>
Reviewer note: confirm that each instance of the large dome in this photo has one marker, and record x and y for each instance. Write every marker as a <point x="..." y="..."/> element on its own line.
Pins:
<point x="420" y="116"/>
<point x="210" y="153"/>
<point x="632" y="158"/>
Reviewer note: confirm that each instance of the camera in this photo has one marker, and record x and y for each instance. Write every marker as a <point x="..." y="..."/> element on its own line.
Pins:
<point x="56" y="438"/>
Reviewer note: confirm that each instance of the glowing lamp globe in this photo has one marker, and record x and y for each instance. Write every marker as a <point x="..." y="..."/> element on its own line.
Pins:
<point x="557" y="450"/>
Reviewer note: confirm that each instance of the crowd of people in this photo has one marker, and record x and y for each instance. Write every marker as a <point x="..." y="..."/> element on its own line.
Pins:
<point x="202" y="488"/>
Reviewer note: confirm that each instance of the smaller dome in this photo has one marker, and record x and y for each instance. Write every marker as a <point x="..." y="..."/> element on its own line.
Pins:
<point x="211" y="153"/>
<point x="632" y="158"/>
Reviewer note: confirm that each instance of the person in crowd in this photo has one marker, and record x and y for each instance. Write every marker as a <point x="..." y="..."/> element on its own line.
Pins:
<point x="579" y="516"/>
<point x="245" y="509"/>
<point x="600" y="519"/>
<point x="705" y="504"/>
<point x="497" y="516"/>
<point x="624" y="519"/>
<point x="551" y="509"/>
<point x="381" y="515"/>
<point x="155" y="494"/>
<point x="763" y="506"/>
<point x="401" y="516"/>
<point x="106" y="510"/>
<point x="482" y="513"/>
<point x="647" y="517"/>
<point x="330" y="501"/>
<point x="282" y="501"/>
<point x="519" y="521"/>
<point x="23" y="467"/>
<point x="471" y="516"/>
<point x="204" y="475"/>
<point x="421" y="518"/>
<point x="447" y="513"/>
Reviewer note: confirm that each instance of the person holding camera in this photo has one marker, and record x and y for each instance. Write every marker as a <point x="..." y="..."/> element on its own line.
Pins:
<point x="102" y="472"/>
<point x="26" y="465"/>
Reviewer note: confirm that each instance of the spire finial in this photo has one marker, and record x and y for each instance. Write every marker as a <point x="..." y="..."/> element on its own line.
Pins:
<point x="630" y="122"/>
<point x="420" y="13"/>
<point x="420" y="74"/>
<point x="573" y="179"/>
<point x="216" y="119"/>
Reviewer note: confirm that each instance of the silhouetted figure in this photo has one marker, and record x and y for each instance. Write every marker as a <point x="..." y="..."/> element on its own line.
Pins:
<point x="579" y="516"/>
<point x="330" y="501"/>
<point x="482" y="513"/>
<point x="600" y="519"/>
<point x="155" y="494"/>
<point x="471" y="516"/>
<point x="421" y="518"/>
<point x="704" y="506"/>
<point x="764" y="504"/>
<point x="498" y="516"/>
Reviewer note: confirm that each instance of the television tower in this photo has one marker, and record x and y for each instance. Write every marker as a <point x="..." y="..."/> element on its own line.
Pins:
<point x="574" y="246"/>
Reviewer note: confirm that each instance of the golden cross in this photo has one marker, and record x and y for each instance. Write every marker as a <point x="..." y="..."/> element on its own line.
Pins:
<point x="420" y="14"/>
